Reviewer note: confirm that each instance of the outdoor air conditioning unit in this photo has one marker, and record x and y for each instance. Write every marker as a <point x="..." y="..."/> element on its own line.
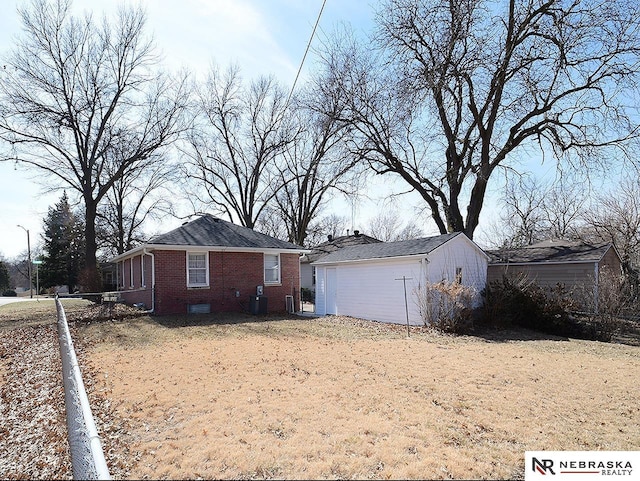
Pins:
<point x="259" y="290"/>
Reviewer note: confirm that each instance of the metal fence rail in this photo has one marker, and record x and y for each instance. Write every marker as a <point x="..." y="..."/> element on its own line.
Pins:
<point x="87" y="457"/>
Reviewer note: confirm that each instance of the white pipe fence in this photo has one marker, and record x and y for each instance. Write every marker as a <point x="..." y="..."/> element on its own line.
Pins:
<point x="87" y="457"/>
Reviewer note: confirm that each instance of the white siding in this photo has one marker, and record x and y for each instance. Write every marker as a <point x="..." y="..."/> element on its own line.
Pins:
<point x="320" y="291"/>
<point x="306" y="276"/>
<point x="371" y="289"/>
<point x="459" y="252"/>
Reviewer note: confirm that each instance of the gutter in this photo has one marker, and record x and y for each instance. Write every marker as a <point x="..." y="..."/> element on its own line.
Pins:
<point x="200" y="248"/>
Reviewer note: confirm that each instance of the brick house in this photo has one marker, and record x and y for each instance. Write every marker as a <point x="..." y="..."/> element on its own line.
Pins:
<point x="211" y="265"/>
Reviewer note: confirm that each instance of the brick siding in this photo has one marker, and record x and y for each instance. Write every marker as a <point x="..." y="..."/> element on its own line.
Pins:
<point x="229" y="272"/>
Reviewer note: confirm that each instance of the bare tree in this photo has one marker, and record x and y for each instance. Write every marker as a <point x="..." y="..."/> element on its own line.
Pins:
<point x="563" y="206"/>
<point x="237" y="139"/>
<point x="333" y="225"/>
<point x="388" y="226"/>
<point x="458" y="88"/>
<point x="534" y="211"/>
<point x="523" y="215"/>
<point x="80" y="101"/>
<point x="133" y="199"/>
<point x="614" y="216"/>
<point x="315" y="164"/>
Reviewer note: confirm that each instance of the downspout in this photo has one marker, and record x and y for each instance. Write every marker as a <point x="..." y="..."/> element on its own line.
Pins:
<point x="153" y="280"/>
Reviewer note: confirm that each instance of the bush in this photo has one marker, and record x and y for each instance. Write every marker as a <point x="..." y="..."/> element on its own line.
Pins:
<point x="446" y="306"/>
<point x="519" y="302"/>
<point x="602" y="313"/>
<point x="9" y="293"/>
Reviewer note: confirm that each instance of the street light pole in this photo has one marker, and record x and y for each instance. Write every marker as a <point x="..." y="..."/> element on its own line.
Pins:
<point x="37" y="262"/>
<point x="29" y="265"/>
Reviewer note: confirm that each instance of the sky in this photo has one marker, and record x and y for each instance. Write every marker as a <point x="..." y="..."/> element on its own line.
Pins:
<point x="262" y="36"/>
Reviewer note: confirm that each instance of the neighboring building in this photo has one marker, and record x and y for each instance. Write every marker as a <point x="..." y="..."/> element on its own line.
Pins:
<point x="367" y="281"/>
<point x="211" y="265"/>
<point x="571" y="264"/>
<point x="307" y="270"/>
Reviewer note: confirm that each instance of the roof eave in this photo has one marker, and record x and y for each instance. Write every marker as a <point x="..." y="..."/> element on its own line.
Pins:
<point x="178" y="247"/>
<point x="502" y="263"/>
<point x="368" y="259"/>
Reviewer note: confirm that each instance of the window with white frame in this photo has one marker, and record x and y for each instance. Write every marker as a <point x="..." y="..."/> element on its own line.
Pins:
<point x="121" y="271"/>
<point x="272" y="268"/>
<point x="197" y="269"/>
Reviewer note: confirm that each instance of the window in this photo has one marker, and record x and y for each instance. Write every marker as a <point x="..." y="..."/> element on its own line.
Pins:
<point x="131" y="273"/>
<point x="121" y="266"/>
<point x="272" y="268"/>
<point x="313" y="275"/>
<point x="197" y="269"/>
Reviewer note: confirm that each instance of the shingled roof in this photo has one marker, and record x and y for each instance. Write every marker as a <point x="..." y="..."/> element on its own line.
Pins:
<point x="387" y="249"/>
<point x="209" y="231"/>
<point x="552" y="251"/>
<point x="336" y="243"/>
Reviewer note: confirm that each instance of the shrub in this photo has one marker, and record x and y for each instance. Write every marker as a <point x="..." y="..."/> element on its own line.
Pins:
<point x="9" y="293"/>
<point x="520" y="302"/>
<point x="446" y="306"/>
<point x="602" y="313"/>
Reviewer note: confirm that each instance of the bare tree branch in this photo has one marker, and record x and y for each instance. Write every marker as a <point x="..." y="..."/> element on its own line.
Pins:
<point x="81" y="102"/>
<point x="457" y="88"/>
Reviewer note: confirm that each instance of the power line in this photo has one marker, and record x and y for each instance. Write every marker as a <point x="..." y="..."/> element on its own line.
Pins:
<point x="306" y="51"/>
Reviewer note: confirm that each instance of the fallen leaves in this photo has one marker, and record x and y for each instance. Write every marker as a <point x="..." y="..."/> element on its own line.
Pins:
<point x="33" y="433"/>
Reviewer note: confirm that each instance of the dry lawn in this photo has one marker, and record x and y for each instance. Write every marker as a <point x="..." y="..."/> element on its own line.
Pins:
<point x="33" y="431"/>
<point x="246" y="397"/>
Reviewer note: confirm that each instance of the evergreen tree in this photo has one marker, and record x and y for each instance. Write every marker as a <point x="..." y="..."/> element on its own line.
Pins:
<point x="4" y="277"/>
<point x="63" y="246"/>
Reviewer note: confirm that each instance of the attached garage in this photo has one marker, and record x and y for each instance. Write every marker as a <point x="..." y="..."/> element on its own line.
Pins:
<point x="368" y="281"/>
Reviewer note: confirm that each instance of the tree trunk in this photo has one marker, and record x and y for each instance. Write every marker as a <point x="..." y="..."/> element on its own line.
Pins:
<point x="91" y="280"/>
<point x="475" y="206"/>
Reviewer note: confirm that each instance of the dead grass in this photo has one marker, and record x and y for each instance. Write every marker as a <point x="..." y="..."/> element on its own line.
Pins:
<point x="38" y="312"/>
<point x="243" y="397"/>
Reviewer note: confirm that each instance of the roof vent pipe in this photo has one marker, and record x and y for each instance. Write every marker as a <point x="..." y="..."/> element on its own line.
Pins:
<point x="356" y="233"/>
<point x="330" y="237"/>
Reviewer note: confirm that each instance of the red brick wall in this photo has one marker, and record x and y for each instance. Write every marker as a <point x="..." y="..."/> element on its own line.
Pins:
<point x="228" y="272"/>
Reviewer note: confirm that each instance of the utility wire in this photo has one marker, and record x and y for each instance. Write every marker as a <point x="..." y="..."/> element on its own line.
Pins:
<point x="306" y="51"/>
